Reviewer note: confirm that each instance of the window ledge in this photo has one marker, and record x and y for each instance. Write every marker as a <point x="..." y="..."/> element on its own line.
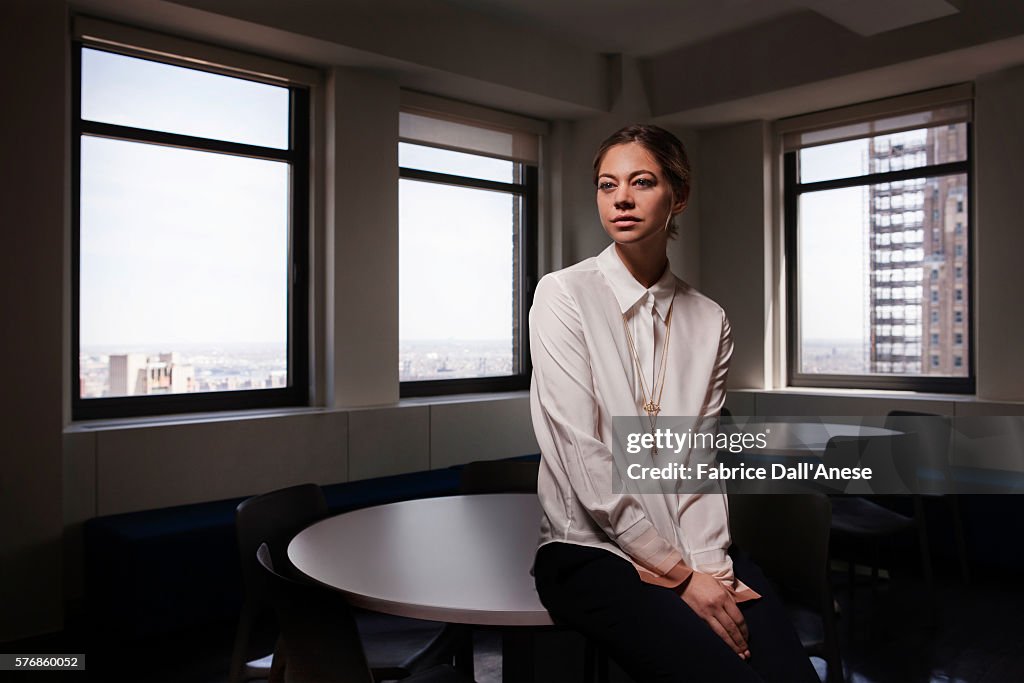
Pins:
<point x="877" y="393"/>
<point x="239" y="415"/>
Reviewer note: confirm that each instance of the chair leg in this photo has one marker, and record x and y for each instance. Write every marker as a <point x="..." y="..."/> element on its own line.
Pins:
<point x="278" y="665"/>
<point x="851" y="577"/>
<point x="958" y="530"/>
<point x="238" y="652"/>
<point x="602" y="667"/>
<point x="875" y="563"/>
<point x="589" y="659"/>
<point x="926" y="557"/>
<point x="833" y="659"/>
<point x="464" y="652"/>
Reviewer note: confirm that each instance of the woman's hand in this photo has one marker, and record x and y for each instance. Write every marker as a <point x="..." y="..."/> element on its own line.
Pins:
<point x="715" y="605"/>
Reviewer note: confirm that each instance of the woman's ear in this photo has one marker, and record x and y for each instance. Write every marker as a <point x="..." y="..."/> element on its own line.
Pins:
<point x="679" y="204"/>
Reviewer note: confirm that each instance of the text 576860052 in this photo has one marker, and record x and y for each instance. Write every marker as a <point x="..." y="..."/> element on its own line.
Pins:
<point x="36" y="662"/>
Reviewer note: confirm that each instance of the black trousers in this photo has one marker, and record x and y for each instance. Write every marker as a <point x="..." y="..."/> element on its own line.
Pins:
<point x="655" y="636"/>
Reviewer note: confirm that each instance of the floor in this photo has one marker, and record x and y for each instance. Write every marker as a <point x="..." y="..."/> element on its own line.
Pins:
<point x="968" y="634"/>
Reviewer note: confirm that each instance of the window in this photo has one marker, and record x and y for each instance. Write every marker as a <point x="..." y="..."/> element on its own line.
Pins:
<point x="190" y="238"/>
<point x="863" y="187"/>
<point x="467" y="254"/>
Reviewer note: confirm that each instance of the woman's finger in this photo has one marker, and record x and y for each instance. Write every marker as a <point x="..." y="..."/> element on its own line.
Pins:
<point x="732" y="628"/>
<point x="722" y="633"/>
<point x="733" y="610"/>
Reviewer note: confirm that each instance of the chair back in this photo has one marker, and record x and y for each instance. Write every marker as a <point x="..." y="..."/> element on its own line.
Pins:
<point x="499" y="476"/>
<point x="319" y="639"/>
<point x="925" y="461"/>
<point x="787" y="536"/>
<point x="274" y="518"/>
<point x="891" y="459"/>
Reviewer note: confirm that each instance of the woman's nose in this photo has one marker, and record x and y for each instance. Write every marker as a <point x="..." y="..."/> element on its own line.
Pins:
<point x="623" y="198"/>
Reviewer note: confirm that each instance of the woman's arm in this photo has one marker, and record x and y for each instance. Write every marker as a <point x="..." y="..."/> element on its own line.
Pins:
<point x="565" y="419"/>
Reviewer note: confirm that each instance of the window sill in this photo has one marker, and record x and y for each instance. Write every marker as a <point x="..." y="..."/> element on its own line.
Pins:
<point x="888" y="394"/>
<point x="239" y="415"/>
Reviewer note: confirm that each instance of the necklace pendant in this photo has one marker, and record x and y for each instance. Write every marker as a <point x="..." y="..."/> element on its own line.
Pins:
<point x="654" y="451"/>
<point x="652" y="408"/>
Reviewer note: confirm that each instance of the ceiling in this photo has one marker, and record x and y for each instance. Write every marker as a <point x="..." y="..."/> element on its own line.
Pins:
<point x="652" y="27"/>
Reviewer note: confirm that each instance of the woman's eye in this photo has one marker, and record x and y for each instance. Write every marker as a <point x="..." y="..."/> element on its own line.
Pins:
<point x="645" y="182"/>
<point x="605" y="185"/>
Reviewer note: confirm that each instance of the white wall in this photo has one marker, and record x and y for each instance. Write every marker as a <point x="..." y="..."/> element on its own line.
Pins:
<point x="999" y="235"/>
<point x="736" y="245"/>
<point x="362" y="238"/>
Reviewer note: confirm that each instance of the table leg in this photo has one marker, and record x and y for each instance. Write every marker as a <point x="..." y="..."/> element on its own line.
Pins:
<point x="517" y="656"/>
<point x="463" y="651"/>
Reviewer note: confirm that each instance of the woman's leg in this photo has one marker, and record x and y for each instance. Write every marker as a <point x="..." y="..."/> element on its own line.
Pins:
<point x="649" y="631"/>
<point x="775" y="650"/>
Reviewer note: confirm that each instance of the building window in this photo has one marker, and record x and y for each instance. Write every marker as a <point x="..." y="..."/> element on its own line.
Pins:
<point x="467" y="263"/>
<point x="958" y="316"/>
<point x="190" y="233"/>
<point x="857" y="210"/>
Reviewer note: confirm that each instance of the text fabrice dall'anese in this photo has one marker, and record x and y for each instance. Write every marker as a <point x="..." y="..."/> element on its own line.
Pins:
<point x="665" y="440"/>
<point x="704" y="471"/>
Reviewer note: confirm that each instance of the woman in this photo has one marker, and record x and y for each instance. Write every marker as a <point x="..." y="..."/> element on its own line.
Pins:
<point x="648" y="577"/>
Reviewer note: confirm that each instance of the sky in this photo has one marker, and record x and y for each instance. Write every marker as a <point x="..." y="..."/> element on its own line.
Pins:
<point x="181" y="247"/>
<point x="185" y="247"/>
<point x="832" y="233"/>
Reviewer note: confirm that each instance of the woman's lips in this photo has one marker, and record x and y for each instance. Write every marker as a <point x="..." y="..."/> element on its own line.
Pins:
<point x="625" y="220"/>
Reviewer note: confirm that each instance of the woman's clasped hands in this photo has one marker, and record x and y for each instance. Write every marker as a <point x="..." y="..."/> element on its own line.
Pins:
<point x="713" y="603"/>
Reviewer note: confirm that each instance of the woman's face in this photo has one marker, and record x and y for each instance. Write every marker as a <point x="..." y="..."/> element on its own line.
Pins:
<point x="633" y="197"/>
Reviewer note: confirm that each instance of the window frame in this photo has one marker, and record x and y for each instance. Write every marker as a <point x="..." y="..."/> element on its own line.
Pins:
<point x="298" y="156"/>
<point x="792" y="188"/>
<point x="526" y="278"/>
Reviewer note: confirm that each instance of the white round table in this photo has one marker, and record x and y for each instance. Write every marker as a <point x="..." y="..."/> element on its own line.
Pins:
<point x="805" y="438"/>
<point x="458" y="559"/>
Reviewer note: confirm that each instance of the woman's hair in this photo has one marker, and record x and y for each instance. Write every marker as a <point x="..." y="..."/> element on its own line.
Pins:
<point x="666" y="149"/>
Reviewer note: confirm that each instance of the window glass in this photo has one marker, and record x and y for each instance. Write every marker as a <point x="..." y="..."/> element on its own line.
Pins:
<point x="457" y="281"/>
<point x="141" y="93"/>
<point x="189" y="281"/>
<point x="425" y="158"/>
<point x="862" y="258"/>
<point x="204" y="279"/>
<point x="884" y="153"/>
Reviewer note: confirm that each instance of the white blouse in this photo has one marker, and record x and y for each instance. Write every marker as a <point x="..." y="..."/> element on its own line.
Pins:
<point x="584" y="374"/>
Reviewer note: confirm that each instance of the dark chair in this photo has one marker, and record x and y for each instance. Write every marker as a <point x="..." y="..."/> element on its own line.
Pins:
<point x="499" y="476"/>
<point x="859" y="522"/>
<point x="396" y="646"/>
<point x="787" y="536"/>
<point x="320" y="641"/>
<point x="930" y="457"/>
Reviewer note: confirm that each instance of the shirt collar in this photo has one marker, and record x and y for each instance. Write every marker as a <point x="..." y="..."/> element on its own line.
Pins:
<point x="628" y="292"/>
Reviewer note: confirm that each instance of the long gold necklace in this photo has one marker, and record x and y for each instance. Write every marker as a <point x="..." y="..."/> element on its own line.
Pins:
<point x="649" y="405"/>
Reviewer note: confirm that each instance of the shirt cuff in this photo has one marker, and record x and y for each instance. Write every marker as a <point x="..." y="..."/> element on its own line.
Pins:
<point x="648" y="549"/>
